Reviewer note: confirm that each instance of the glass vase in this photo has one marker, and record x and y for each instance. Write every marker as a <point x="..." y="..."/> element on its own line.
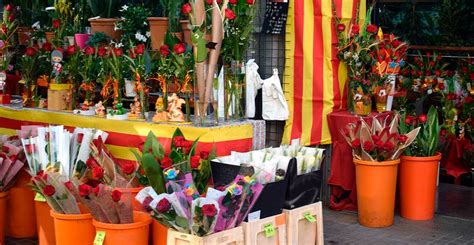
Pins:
<point x="381" y="96"/>
<point x="359" y="104"/>
<point x="234" y="91"/>
<point x="206" y="112"/>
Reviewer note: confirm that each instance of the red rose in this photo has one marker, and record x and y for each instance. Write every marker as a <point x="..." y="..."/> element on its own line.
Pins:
<point x="128" y="168"/>
<point x="56" y="23"/>
<point x="441" y="86"/>
<point x="47" y="46"/>
<point x="96" y="190"/>
<point x="163" y="206"/>
<point x="166" y="162"/>
<point x="164" y="50"/>
<point x="140" y="49"/>
<point x="375" y="138"/>
<point x="432" y="64"/>
<point x="89" y="50"/>
<point x="97" y="172"/>
<point x="91" y="162"/>
<point x="355" y="143"/>
<point x="209" y="210"/>
<point x="9" y="7"/>
<point x="11" y="18"/>
<point x="468" y="100"/>
<point x="186" y="9"/>
<point x="388" y="146"/>
<point x="450" y="73"/>
<point x="30" y="148"/>
<point x="71" y="50"/>
<point x="368" y="146"/>
<point x="30" y="52"/>
<point x="209" y="2"/>
<point x="229" y="14"/>
<point x="379" y="144"/>
<point x="372" y="28"/>
<point x="84" y="190"/>
<point x="250" y="2"/>
<point x="146" y="203"/>
<point x="69" y="185"/>
<point x="178" y="141"/>
<point x="116" y="195"/>
<point x="396" y="43"/>
<point x="402" y="138"/>
<point x="195" y="162"/>
<point x="428" y="55"/>
<point x="102" y="52"/>
<point x="471" y="76"/>
<point x="49" y="190"/>
<point x="355" y="29"/>
<point x="204" y="155"/>
<point x="118" y="52"/>
<point x="422" y="118"/>
<point x="219" y="1"/>
<point x="443" y="132"/>
<point x="427" y="73"/>
<point x="438" y="73"/>
<point x="234" y="2"/>
<point x="187" y="146"/>
<point x="132" y="53"/>
<point x="341" y="27"/>
<point x="79" y="138"/>
<point x="179" y="48"/>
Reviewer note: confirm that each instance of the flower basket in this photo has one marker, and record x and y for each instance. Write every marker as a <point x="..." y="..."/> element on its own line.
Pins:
<point x="59" y="97"/>
<point x="73" y="228"/>
<point x="135" y="233"/>
<point x="105" y="25"/>
<point x="376" y="184"/>
<point x="44" y="223"/>
<point x="158" y="28"/>
<point x="130" y="193"/>
<point x="3" y="214"/>
<point x="418" y="177"/>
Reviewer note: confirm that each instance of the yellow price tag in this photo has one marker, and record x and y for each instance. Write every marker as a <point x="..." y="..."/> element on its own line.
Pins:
<point x="40" y="198"/>
<point x="309" y="217"/>
<point x="99" y="238"/>
<point x="269" y="230"/>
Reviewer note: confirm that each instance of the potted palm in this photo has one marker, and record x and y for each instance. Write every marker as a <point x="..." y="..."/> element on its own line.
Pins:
<point x="419" y="167"/>
<point x="105" y="12"/>
<point x="376" y="151"/>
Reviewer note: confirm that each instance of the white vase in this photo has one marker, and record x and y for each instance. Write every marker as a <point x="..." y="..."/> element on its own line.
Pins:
<point x="129" y="90"/>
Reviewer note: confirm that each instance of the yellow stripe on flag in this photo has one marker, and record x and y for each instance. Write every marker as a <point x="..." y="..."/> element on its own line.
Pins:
<point x="288" y="77"/>
<point x="328" y="80"/>
<point x="308" y="70"/>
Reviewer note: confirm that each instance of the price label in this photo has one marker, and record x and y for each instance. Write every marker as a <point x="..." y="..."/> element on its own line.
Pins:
<point x="310" y="218"/>
<point x="269" y="230"/>
<point x="40" y="198"/>
<point x="99" y="238"/>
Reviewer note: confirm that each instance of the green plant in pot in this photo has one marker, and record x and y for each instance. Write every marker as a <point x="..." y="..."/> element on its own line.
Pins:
<point x="106" y="13"/>
<point x="168" y="19"/>
<point x="419" y="167"/>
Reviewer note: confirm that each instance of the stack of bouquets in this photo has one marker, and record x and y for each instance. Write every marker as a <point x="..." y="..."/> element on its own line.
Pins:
<point x="184" y="209"/>
<point x="11" y="160"/>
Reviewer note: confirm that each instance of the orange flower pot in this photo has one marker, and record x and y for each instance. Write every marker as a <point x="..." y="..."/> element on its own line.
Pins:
<point x="130" y="194"/>
<point x="21" y="216"/>
<point x="73" y="229"/>
<point x="44" y="224"/>
<point x="107" y="26"/>
<point x="3" y="214"/>
<point x="159" y="233"/>
<point x="135" y="233"/>
<point x="376" y="184"/>
<point x="158" y="29"/>
<point x="418" y="177"/>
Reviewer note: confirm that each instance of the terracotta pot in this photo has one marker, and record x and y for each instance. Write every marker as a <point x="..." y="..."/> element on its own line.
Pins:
<point x="376" y="184"/>
<point x="418" y="178"/>
<point x="59" y="97"/>
<point x="21" y="215"/>
<point x="159" y="233"/>
<point x="186" y="31"/>
<point x="129" y="194"/>
<point x="107" y="26"/>
<point x="3" y="214"/>
<point x="81" y="40"/>
<point x="50" y="36"/>
<point x="44" y="223"/>
<point x="135" y="233"/>
<point x="5" y="99"/>
<point x="73" y="229"/>
<point x="158" y="28"/>
<point x="24" y="35"/>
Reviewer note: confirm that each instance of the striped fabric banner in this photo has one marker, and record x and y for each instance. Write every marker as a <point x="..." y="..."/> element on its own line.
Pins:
<point x="314" y="79"/>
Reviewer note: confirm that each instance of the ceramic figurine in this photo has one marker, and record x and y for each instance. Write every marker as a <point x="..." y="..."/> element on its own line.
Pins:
<point x="161" y="115"/>
<point x="100" y="109"/>
<point x="56" y="59"/>
<point x="3" y="78"/>
<point x="136" y="110"/>
<point x="175" y="114"/>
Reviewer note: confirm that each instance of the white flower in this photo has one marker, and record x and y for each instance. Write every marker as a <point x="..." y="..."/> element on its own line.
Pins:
<point x="124" y="8"/>
<point x="140" y="37"/>
<point x="36" y="25"/>
<point x="49" y="8"/>
<point x="148" y="34"/>
<point x="145" y="23"/>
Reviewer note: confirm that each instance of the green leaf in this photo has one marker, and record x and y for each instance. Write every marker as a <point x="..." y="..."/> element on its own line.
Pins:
<point x="137" y="155"/>
<point x="148" y="142"/>
<point x="158" y="149"/>
<point x="182" y="222"/>
<point x="154" y="173"/>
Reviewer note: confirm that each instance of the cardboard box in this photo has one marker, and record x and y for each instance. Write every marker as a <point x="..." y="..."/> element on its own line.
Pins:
<point x="268" y="231"/>
<point x="228" y="237"/>
<point x="305" y="225"/>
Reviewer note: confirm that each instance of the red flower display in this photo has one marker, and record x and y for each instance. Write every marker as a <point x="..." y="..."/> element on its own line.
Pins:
<point x="49" y="190"/>
<point x="80" y="136"/>
<point x="128" y="168"/>
<point x="179" y="48"/>
<point x="84" y="190"/>
<point x="422" y="118"/>
<point x="9" y="7"/>
<point x="195" y="162"/>
<point x="163" y="206"/>
<point x="102" y="52"/>
<point x="209" y="210"/>
<point x="341" y="27"/>
<point x="204" y="155"/>
<point x="250" y="2"/>
<point x="30" y="52"/>
<point x="234" y="2"/>
<point x="166" y="162"/>
<point x="186" y="9"/>
<point x="229" y="14"/>
<point x="368" y="146"/>
<point x="355" y="29"/>
<point x="69" y="185"/>
<point x="372" y="28"/>
<point x="56" y="23"/>
<point x="178" y="141"/>
<point x="71" y="50"/>
<point x="47" y="46"/>
<point x="97" y="172"/>
<point x="118" y="52"/>
<point x="164" y="50"/>
<point x="116" y="195"/>
<point x="355" y="143"/>
<point x="89" y="50"/>
<point x="140" y="48"/>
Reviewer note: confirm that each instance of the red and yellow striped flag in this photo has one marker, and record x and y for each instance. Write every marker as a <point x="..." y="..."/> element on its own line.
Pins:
<point x="314" y="79"/>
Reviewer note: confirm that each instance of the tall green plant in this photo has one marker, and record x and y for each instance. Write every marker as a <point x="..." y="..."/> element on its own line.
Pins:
<point x="171" y="9"/>
<point x="426" y="143"/>
<point x="105" y="8"/>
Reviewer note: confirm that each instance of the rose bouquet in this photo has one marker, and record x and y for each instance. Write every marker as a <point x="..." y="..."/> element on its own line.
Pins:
<point x="140" y="68"/>
<point x="29" y="72"/>
<point x="11" y="161"/>
<point x="380" y="141"/>
<point x="427" y="74"/>
<point x="9" y="25"/>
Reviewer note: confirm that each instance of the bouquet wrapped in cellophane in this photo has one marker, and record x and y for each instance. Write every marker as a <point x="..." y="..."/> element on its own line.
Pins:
<point x="11" y="160"/>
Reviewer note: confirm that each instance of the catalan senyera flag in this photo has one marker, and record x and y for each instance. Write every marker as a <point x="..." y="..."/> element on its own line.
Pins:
<point x="314" y="79"/>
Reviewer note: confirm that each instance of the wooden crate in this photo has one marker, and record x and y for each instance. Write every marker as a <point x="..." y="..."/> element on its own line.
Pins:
<point x="233" y="236"/>
<point x="255" y="231"/>
<point x="305" y="225"/>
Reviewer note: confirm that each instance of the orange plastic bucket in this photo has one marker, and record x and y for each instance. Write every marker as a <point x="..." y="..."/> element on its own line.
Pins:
<point x="376" y="184"/>
<point x="135" y="233"/>
<point x="130" y="194"/>
<point x="3" y="214"/>
<point x="418" y="177"/>
<point x="73" y="229"/>
<point x="44" y="224"/>
<point x="21" y="217"/>
<point x="159" y="233"/>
